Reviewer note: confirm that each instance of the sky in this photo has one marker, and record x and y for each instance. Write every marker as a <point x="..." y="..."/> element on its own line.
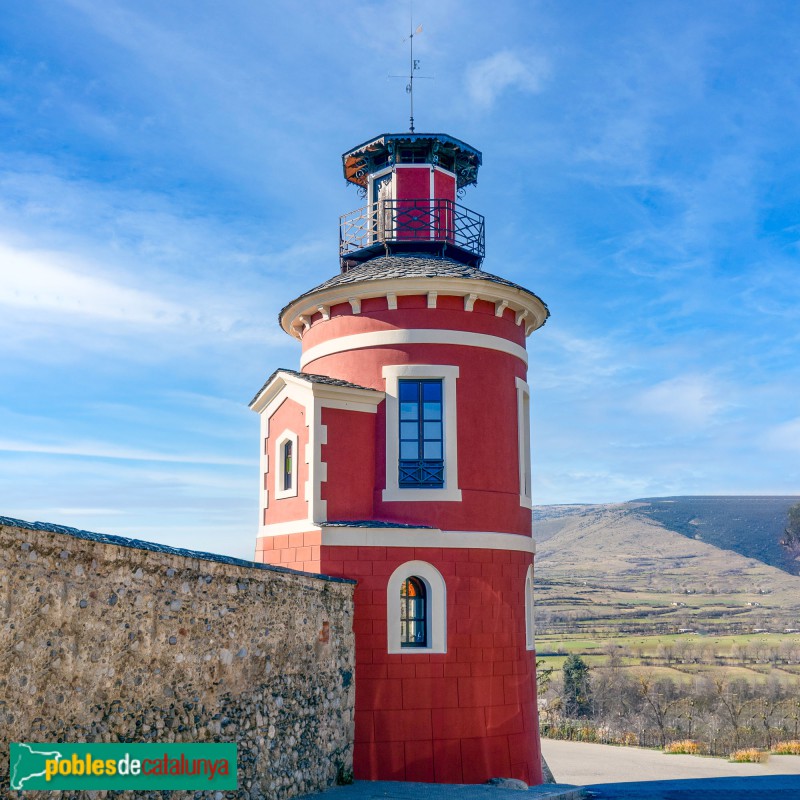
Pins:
<point x="170" y="177"/>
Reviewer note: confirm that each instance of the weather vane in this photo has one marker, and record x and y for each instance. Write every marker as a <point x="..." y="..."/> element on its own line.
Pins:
<point x="413" y="67"/>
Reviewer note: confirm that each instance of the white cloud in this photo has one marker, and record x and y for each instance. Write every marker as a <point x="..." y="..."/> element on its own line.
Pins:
<point x="43" y="282"/>
<point x="688" y="399"/>
<point x="489" y="78"/>
<point x="562" y="359"/>
<point x="82" y="449"/>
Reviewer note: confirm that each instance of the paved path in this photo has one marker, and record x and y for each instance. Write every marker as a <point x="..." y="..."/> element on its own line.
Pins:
<point x="391" y="790"/>
<point x="770" y="787"/>
<point x="631" y="773"/>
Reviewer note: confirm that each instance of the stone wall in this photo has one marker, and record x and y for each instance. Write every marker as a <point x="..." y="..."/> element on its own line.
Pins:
<point x="107" y="639"/>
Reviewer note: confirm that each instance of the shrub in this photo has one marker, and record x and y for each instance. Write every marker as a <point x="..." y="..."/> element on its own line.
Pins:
<point x="628" y="739"/>
<point x="791" y="748"/>
<point x="684" y="746"/>
<point x="750" y="755"/>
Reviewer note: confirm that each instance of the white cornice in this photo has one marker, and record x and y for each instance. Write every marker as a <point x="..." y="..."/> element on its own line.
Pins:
<point x="400" y="336"/>
<point x="359" y="536"/>
<point x="425" y="537"/>
<point x="518" y="300"/>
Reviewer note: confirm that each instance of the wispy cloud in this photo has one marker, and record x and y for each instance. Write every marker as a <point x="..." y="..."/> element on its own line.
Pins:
<point x="42" y="282"/>
<point x="506" y="70"/>
<point x="116" y="452"/>
<point x="691" y="400"/>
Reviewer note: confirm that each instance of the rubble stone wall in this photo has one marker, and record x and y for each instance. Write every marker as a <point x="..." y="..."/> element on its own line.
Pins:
<point x="104" y="639"/>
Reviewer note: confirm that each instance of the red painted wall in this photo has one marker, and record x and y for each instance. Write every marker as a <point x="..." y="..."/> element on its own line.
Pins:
<point x="295" y="551"/>
<point x="488" y="467"/>
<point x="444" y="188"/>
<point x="289" y="415"/>
<point x="350" y="456"/>
<point x="413" y="183"/>
<point x="460" y="717"/>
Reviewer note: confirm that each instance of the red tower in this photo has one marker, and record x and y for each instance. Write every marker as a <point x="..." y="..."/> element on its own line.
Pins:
<point x="399" y="455"/>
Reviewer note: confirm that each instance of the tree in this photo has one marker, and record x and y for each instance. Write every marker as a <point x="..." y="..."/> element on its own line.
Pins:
<point x="576" y="692"/>
<point x="660" y="696"/>
<point x="733" y="698"/>
<point x="543" y="677"/>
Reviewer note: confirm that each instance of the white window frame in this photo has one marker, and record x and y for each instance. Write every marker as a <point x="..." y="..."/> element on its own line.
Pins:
<point x="524" y="443"/>
<point x="435" y="609"/>
<point x="280" y="492"/>
<point x="448" y="374"/>
<point x="530" y="619"/>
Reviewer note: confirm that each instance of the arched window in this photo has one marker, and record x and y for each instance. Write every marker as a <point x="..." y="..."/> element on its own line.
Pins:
<point x="416" y="609"/>
<point x="413" y="613"/>
<point x="285" y="462"/>
<point x="287" y="465"/>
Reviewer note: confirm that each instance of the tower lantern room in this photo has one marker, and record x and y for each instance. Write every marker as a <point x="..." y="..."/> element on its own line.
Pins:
<point x="411" y="182"/>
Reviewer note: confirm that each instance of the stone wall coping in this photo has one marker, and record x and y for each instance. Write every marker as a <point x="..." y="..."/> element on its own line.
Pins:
<point x="154" y="547"/>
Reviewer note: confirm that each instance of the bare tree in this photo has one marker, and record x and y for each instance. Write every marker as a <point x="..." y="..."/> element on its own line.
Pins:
<point x="767" y="705"/>
<point x="733" y="697"/>
<point x="660" y="697"/>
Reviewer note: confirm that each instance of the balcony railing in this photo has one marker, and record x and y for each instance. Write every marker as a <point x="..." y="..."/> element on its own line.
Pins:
<point x="402" y="226"/>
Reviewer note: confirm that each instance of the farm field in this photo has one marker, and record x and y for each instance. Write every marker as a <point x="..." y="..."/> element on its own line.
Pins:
<point x="610" y="570"/>
<point x="679" y="656"/>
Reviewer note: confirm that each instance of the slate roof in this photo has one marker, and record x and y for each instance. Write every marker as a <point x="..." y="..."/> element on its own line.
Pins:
<point x="385" y="268"/>
<point x="121" y="541"/>
<point x="311" y="378"/>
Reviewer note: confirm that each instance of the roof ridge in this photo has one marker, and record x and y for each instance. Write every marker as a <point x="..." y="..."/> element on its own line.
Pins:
<point x="311" y="377"/>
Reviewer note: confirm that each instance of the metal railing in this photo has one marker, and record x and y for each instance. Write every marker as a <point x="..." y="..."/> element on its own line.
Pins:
<point x="421" y="473"/>
<point x="415" y="223"/>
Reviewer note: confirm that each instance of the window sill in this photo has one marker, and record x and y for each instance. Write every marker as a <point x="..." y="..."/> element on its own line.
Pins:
<point x="398" y="495"/>
<point x="414" y="651"/>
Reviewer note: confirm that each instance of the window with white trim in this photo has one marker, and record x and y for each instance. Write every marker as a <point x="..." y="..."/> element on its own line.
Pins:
<point x="285" y="462"/>
<point x="421" y="462"/>
<point x="421" y="433"/>
<point x="524" y="442"/>
<point x="416" y="609"/>
<point x="530" y="623"/>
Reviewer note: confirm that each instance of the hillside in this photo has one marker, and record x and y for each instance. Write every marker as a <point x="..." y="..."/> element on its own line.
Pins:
<point x="617" y="567"/>
<point x="750" y="526"/>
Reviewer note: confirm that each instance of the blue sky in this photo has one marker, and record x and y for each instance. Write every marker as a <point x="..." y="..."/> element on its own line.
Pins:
<point x="170" y="176"/>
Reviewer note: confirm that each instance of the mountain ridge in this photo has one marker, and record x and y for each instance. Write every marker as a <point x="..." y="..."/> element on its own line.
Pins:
<point x="601" y="562"/>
